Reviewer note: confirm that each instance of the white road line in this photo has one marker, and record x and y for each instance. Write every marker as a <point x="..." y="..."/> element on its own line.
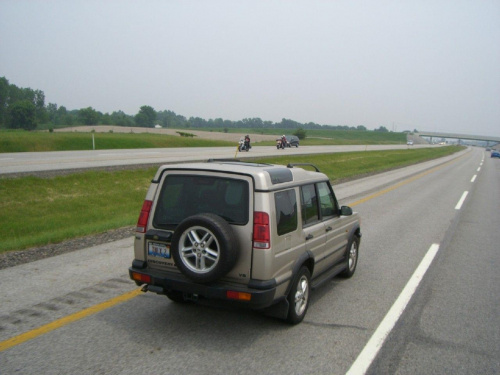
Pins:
<point x="473" y="178"/>
<point x="479" y="169"/>
<point x="461" y="201"/>
<point x="373" y="346"/>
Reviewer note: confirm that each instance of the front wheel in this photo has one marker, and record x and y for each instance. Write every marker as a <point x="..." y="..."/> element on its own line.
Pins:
<point x="298" y="298"/>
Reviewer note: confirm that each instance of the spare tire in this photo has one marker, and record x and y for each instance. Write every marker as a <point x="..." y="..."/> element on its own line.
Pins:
<point x="204" y="247"/>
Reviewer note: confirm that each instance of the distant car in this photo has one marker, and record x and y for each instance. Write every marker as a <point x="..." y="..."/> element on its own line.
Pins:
<point x="495" y="154"/>
<point x="409" y="143"/>
<point x="292" y="140"/>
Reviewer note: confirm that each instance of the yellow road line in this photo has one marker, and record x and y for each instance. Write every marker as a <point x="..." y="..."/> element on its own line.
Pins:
<point x="16" y="340"/>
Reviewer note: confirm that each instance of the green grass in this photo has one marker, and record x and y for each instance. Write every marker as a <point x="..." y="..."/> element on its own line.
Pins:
<point x="38" y="211"/>
<point x="347" y="165"/>
<point x="23" y="141"/>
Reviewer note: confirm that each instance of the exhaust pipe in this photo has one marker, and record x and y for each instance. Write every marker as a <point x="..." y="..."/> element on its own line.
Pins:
<point x="152" y="288"/>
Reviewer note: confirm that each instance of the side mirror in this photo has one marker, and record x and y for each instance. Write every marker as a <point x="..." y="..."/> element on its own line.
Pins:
<point x="345" y="211"/>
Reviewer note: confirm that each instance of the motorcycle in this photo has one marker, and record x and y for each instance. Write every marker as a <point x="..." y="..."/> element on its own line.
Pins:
<point x="244" y="145"/>
<point x="280" y="143"/>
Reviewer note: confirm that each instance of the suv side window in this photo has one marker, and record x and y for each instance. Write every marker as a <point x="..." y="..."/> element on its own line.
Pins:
<point x="327" y="201"/>
<point x="309" y="205"/>
<point x="286" y="211"/>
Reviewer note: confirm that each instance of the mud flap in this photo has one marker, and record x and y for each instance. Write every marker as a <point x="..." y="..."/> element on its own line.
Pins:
<point x="278" y="310"/>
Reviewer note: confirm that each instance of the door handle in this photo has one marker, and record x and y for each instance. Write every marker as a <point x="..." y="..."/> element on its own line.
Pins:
<point x="309" y="236"/>
<point x="328" y="229"/>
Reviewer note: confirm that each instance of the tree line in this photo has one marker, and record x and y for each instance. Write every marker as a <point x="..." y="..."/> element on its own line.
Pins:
<point x="24" y="108"/>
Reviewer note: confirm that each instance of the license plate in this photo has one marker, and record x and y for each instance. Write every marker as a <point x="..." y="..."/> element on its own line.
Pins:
<point x="160" y="250"/>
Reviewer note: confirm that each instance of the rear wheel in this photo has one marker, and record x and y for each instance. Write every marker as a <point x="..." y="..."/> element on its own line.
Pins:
<point x="351" y="258"/>
<point x="298" y="298"/>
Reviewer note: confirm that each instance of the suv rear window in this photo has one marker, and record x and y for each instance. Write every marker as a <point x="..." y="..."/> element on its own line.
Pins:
<point x="182" y="196"/>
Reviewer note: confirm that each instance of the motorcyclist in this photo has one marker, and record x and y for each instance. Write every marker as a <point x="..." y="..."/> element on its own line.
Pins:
<point x="247" y="142"/>
<point x="283" y="141"/>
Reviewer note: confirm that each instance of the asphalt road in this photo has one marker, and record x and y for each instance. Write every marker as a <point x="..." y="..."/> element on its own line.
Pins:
<point x="23" y="162"/>
<point x="450" y="324"/>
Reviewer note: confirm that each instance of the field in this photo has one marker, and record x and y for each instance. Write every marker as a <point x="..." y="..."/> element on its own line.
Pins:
<point x="115" y="137"/>
<point x="22" y="141"/>
<point x="37" y="211"/>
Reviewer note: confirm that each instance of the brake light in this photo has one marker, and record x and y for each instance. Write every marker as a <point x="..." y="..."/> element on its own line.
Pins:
<point x="142" y="223"/>
<point x="261" y="234"/>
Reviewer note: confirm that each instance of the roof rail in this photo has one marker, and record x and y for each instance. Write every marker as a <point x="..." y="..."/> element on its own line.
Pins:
<point x="223" y="160"/>
<point x="291" y="165"/>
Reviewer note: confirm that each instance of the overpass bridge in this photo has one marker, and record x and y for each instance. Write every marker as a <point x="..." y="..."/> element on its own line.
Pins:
<point x="490" y="141"/>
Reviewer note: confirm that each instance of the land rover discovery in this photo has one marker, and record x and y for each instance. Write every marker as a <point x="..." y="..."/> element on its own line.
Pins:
<point x="259" y="235"/>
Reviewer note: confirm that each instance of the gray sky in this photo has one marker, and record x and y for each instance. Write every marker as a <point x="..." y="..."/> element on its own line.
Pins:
<point x="427" y="64"/>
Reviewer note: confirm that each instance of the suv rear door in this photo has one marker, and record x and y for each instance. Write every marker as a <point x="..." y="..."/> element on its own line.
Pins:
<point x="314" y="230"/>
<point x="336" y="226"/>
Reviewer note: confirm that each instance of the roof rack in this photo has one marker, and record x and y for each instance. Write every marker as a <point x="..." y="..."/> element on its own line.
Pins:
<point x="291" y="165"/>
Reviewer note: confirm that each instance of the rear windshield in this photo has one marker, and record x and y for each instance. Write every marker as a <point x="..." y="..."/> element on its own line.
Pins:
<point x="182" y="196"/>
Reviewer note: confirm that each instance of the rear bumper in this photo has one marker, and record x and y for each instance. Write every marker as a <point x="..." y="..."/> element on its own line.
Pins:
<point x="163" y="282"/>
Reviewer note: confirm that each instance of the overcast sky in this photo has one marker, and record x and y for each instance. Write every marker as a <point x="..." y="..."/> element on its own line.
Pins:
<point x="431" y="65"/>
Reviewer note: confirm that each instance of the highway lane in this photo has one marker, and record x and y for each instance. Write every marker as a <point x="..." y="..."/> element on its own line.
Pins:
<point x="453" y="323"/>
<point x="24" y="162"/>
<point x="151" y="335"/>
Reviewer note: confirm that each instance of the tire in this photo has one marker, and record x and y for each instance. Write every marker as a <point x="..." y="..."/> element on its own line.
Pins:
<point x="351" y="258"/>
<point x="299" y="296"/>
<point x="204" y="247"/>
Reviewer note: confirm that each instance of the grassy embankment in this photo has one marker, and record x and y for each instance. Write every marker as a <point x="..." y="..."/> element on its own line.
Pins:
<point x="22" y="141"/>
<point x="37" y="211"/>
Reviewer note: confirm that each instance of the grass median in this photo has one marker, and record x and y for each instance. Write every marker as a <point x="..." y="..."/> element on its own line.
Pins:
<point x="38" y="211"/>
<point x="22" y="141"/>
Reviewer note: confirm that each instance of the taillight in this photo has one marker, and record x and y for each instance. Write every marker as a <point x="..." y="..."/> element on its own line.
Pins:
<point x="238" y="295"/>
<point x="141" y="278"/>
<point x="142" y="223"/>
<point x="261" y="235"/>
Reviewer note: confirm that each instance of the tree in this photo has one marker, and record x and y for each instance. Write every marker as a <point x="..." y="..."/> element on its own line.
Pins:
<point x="52" y="113"/>
<point x="381" y="129"/>
<point x="89" y="116"/>
<point x="22" y="115"/>
<point x="146" y="117"/>
<point x="300" y="133"/>
<point x="4" y="96"/>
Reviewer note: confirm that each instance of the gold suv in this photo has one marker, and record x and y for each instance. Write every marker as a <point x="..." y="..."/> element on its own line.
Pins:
<point x="258" y="235"/>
